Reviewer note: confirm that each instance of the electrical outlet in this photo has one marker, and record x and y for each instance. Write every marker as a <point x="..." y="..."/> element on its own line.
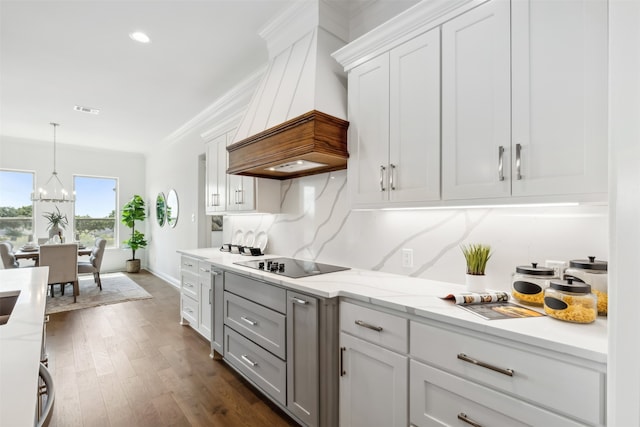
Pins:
<point x="407" y="257"/>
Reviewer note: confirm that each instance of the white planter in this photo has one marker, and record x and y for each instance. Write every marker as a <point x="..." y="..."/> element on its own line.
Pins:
<point x="475" y="283"/>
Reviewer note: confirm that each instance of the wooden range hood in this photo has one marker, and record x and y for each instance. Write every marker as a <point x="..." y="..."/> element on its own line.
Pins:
<point x="309" y="144"/>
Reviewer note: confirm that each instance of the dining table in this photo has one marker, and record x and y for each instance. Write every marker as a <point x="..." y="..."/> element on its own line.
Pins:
<point x="34" y="253"/>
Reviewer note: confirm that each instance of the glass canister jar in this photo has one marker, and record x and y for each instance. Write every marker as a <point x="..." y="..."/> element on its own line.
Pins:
<point x="570" y="301"/>
<point x="529" y="282"/>
<point x="592" y="272"/>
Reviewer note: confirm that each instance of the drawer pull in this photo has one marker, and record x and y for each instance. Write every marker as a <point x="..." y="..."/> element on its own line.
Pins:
<point x="368" y="326"/>
<point x="189" y="310"/>
<point x="188" y="285"/>
<point x="249" y="361"/>
<point x="249" y="321"/>
<point x="508" y="372"/>
<point x="204" y="269"/>
<point x="342" y="371"/>
<point x="186" y="264"/>
<point x="463" y="417"/>
<point x="299" y="301"/>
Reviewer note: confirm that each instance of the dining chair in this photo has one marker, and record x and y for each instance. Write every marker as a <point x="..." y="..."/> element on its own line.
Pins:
<point x="62" y="261"/>
<point x="8" y="257"/>
<point x="95" y="261"/>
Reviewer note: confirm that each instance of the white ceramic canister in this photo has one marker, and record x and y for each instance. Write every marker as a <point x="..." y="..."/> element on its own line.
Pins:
<point x="529" y="282"/>
<point x="592" y="272"/>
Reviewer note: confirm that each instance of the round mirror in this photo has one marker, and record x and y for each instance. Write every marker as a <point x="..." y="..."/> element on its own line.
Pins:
<point x="172" y="208"/>
<point x="161" y="209"/>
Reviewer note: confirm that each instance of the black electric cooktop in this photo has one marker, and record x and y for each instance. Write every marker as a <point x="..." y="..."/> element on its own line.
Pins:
<point x="294" y="268"/>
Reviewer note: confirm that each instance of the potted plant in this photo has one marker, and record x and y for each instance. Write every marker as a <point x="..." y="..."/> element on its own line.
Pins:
<point x="134" y="211"/>
<point x="57" y="222"/>
<point x="476" y="255"/>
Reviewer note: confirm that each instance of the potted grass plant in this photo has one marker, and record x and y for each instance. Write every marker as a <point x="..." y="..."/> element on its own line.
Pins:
<point x="57" y="222"/>
<point x="476" y="255"/>
<point x="132" y="212"/>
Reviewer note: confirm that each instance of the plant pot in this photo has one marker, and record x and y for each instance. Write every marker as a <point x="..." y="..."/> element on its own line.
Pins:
<point x="53" y="231"/>
<point x="475" y="282"/>
<point x="133" y="266"/>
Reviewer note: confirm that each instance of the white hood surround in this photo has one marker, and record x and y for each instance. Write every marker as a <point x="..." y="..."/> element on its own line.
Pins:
<point x="301" y="76"/>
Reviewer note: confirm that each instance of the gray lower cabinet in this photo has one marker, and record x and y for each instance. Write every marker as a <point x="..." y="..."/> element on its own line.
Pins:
<point x="302" y="357"/>
<point x="217" y="316"/>
<point x="284" y="342"/>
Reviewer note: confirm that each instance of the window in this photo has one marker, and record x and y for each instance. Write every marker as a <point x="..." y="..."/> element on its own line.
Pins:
<point x="16" y="207"/>
<point x="95" y="210"/>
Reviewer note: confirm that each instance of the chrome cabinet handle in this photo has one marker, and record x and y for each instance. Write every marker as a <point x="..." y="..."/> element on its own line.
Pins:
<point x="464" y="357"/>
<point x="249" y="321"/>
<point x="249" y="361"/>
<point x="518" y="161"/>
<point x="210" y="296"/>
<point x="216" y="199"/>
<point x="392" y="169"/>
<point x="241" y="198"/>
<point x="186" y="264"/>
<point x="382" y="169"/>
<point x="299" y="301"/>
<point x="236" y="197"/>
<point x="342" y="371"/>
<point x="368" y="326"/>
<point x="189" y="310"/>
<point x="204" y="269"/>
<point x="188" y="285"/>
<point x="215" y="273"/>
<point x="500" y="163"/>
<point x="463" y="417"/>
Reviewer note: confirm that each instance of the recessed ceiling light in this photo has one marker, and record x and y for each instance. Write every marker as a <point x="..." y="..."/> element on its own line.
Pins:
<point x="140" y="37"/>
<point x="86" y="109"/>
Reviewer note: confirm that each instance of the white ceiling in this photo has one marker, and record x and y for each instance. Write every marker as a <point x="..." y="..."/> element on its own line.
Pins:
<point x="57" y="54"/>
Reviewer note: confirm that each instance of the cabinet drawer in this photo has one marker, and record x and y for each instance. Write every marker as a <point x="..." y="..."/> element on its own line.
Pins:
<point x="377" y="327"/>
<point x="535" y="377"/>
<point x="189" y="309"/>
<point x="441" y="399"/>
<point x="256" y="291"/>
<point x="264" y="369"/>
<point x="261" y="325"/>
<point x="189" y="264"/>
<point x="190" y="285"/>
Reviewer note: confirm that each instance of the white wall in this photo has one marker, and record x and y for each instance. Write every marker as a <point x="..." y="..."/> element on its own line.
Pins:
<point x="174" y="166"/>
<point x="37" y="156"/>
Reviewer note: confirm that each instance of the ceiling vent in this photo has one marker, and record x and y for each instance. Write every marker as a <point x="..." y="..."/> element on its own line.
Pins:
<point x="296" y="122"/>
<point x="86" y="109"/>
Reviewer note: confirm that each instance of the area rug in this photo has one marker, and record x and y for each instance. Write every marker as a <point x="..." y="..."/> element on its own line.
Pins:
<point x="116" y="288"/>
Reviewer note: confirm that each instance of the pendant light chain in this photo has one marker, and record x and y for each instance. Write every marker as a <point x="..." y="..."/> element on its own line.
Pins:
<point x="55" y="125"/>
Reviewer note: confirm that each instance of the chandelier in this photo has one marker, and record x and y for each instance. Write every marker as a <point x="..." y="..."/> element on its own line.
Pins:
<point x="53" y="190"/>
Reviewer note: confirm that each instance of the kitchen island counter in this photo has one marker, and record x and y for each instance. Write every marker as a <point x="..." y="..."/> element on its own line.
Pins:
<point x="421" y="298"/>
<point x="20" y="345"/>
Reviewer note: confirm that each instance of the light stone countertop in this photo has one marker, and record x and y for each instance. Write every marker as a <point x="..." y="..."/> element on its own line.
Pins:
<point x="20" y="345"/>
<point x="421" y="297"/>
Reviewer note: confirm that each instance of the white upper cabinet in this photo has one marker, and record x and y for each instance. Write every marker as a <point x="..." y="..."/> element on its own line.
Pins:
<point x="476" y="116"/>
<point x="559" y="98"/>
<point x="216" y="175"/>
<point x="480" y="102"/>
<point x="394" y="113"/>
<point x="414" y="148"/>
<point x="236" y="193"/>
<point x="369" y="130"/>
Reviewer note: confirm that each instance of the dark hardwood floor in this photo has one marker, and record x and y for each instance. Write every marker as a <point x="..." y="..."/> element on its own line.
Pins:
<point x="132" y="364"/>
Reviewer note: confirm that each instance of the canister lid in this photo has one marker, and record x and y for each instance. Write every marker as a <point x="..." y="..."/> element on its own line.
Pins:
<point x="534" y="270"/>
<point x="589" y="264"/>
<point x="569" y="286"/>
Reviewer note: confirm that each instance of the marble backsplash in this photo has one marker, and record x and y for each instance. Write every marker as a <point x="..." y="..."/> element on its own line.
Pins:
<point x="316" y="222"/>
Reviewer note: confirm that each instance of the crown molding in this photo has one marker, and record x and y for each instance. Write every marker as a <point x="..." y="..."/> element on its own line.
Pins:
<point x="232" y="103"/>
<point x="417" y="19"/>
